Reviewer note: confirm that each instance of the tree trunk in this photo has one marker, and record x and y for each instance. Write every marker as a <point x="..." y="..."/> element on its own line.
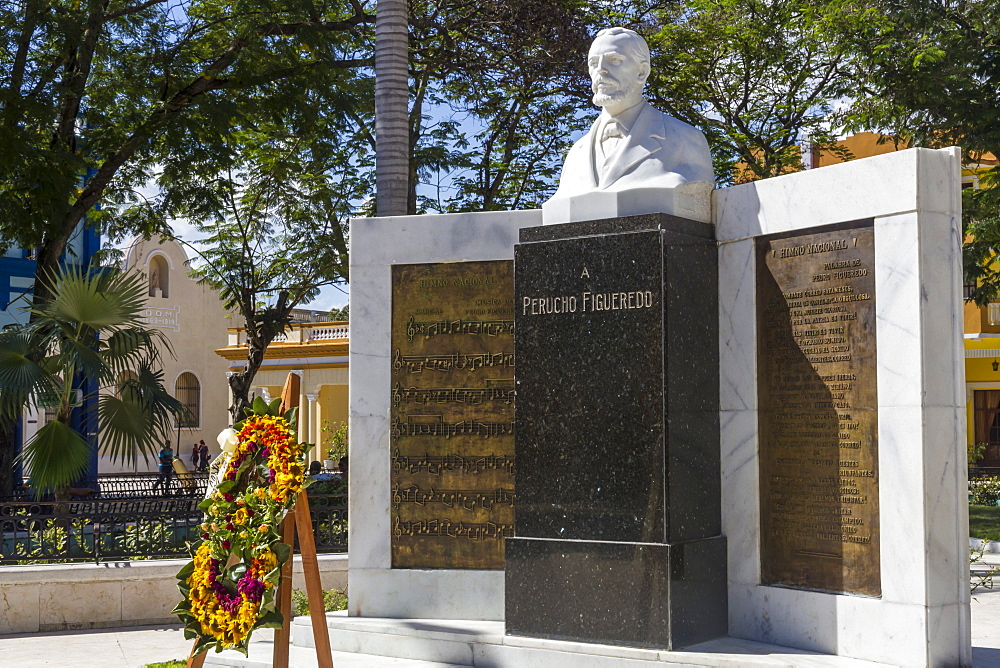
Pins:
<point x="8" y="450"/>
<point x="392" y="155"/>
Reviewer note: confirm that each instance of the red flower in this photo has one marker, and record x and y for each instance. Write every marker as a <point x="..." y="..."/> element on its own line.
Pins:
<point x="225" y="545"/>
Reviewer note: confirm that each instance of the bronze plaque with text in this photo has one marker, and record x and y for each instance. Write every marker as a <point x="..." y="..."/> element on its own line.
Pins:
<point x="452" y="417"/>
<point x="818" y="409"/>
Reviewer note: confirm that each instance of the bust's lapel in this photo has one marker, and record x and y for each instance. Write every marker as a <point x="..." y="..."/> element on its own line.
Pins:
<point x="642" y="141"/>
<point x="589" y="173"/>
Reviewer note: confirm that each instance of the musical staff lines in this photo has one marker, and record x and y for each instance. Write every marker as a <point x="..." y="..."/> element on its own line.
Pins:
<point x="445" y="327"/>
<point x="451" y="414"/>
<point x="438" y="464"/>
<point x="449" y="429"/>
<point x="445" y="528"/>
<point x="469" y="396"/>
<point x="469" y="499"/>
<point x="449" y="362"/>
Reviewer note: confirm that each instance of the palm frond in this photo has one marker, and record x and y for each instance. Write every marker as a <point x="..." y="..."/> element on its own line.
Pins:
<point x="56" y="456"/>
<point x="21" y="377"/>
<point x="124" y="430"/>
<point x="95" y="300"/>
<point x="138" y="417"/>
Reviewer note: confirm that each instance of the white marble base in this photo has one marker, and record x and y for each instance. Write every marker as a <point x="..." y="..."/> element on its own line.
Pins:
<point x="922" y="616"/>
<point x="467" y="643"/>
<point x="689" y="200"/>
<point x="377" y="244"/>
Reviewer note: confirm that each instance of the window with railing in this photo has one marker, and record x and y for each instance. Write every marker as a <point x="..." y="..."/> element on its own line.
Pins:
<point x="188" y="391"/>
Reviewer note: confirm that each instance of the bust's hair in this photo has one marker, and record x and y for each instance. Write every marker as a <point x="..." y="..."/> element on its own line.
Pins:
<point x="639" y="48"/>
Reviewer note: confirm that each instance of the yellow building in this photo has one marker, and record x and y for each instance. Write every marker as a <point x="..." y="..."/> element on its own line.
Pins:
<point x="192" y="319"/>
<point x="316" y="349"/>
<point x="982" y="325"/>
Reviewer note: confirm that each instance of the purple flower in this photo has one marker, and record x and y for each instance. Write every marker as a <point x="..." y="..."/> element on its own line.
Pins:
<point x="251" y="588"/>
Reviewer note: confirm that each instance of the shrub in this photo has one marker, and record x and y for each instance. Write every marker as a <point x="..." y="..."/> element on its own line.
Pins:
<point x="985" y="491"/>
<point x="333" y="599"/>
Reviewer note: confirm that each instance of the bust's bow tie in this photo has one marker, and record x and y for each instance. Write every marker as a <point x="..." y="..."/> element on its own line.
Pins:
<point x="612" y="130"/>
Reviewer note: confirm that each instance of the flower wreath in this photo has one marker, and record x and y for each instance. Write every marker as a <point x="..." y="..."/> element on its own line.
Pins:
<point x="229" y="585"/>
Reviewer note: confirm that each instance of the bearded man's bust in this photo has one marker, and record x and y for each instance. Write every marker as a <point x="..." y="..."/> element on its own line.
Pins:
<point x="634" y="159"/>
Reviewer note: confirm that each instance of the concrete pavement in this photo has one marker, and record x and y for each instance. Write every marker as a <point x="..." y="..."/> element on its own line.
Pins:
<point x="135" y="647"/>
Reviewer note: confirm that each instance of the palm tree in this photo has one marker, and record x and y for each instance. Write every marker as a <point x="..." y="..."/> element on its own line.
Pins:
<point x="90" y="330"/>
<point x="392" y="125"/>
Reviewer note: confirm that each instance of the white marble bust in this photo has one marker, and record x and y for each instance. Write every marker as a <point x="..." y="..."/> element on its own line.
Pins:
<point x="634" y="159"/>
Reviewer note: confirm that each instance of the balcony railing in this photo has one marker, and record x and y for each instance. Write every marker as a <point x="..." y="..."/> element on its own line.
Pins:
<point x="298" y="333"/>
<point x="993" y="313"/>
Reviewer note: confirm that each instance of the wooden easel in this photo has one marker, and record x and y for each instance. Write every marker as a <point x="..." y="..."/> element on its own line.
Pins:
<point x="298" y="518"/>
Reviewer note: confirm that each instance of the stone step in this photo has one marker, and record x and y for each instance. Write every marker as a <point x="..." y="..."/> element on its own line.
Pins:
<point x="483" y="644"/>
<point x="262" y="647"/>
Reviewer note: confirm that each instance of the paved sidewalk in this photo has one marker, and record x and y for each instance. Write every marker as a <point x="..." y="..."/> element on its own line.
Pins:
<point x="135" y="647"/>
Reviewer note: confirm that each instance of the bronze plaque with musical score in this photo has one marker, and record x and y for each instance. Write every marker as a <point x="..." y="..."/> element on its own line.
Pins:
<point x="818" y="409"/>
<point x="452" y="417"/>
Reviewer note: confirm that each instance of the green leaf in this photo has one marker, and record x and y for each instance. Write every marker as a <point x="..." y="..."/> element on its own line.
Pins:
<point x="259" y="406"/>
<point x="282" y="551"/>
<point x="56" y="456"/>
<point x="185" y="572"/>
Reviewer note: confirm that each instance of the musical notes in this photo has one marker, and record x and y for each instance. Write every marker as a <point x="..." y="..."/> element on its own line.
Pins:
<point x="451" y="414"/>
<point x="473" y="327"/>
<point x="448" y="529"/>
<point x="469" y="499"/>
<point x="469" y="396"/>
<point x="436" y="465"/>
<point x="449" y="429"/>
<point x="460" y="361"/>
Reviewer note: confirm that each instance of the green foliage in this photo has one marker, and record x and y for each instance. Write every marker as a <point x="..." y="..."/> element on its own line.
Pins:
<point x="496" y="93"/>
<point x="340" y="314"/>
<point x="335" y="440"/>
<point x="932" y="78"/>
<point x="985" y="491"/>
<point x="96" y="97"/>
<point x="92" y="328"/>
<point x="333" y="600"/>
<point x="757" y="76"/>
<point x="975" y="452"/>
<point x="332" y="487"/>
<point x="176" y="663"/>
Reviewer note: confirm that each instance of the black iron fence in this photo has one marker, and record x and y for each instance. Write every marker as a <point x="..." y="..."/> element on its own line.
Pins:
<point x="130" y="528"/>
<point x="123" y="486"/>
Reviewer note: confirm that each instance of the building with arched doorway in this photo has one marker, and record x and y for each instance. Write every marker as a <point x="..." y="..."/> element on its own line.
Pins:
<point x="194" y="322"/>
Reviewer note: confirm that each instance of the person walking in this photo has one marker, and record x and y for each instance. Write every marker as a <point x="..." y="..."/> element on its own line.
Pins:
<point x="203" y="455"/>
<point x="195" y="452"/>
<point x="166" y="468"/>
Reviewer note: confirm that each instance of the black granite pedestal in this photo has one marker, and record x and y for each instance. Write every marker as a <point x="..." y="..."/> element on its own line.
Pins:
<point x="617" y="516"/>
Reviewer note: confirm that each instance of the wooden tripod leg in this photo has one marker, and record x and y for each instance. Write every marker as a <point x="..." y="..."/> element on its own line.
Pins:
<point x="196" y="661"/>
<point x="314" y="585"/>
<point x="282" y="635"/>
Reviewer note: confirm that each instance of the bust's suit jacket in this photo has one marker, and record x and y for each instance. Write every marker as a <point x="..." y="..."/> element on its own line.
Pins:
<point x="659" y="151"/>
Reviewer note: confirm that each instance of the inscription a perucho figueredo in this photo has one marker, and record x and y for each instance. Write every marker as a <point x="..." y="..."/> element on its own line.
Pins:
<point x="452" y="417"/>
<point x="818" y="409"/>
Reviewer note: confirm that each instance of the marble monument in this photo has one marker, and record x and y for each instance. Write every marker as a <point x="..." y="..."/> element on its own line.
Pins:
<point x="635" y="159"/>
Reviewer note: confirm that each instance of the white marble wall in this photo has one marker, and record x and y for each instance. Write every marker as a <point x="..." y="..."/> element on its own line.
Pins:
<point x="53" y="597"/>
<point x="922" y="617"/>
<point x="375" y="589"/>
